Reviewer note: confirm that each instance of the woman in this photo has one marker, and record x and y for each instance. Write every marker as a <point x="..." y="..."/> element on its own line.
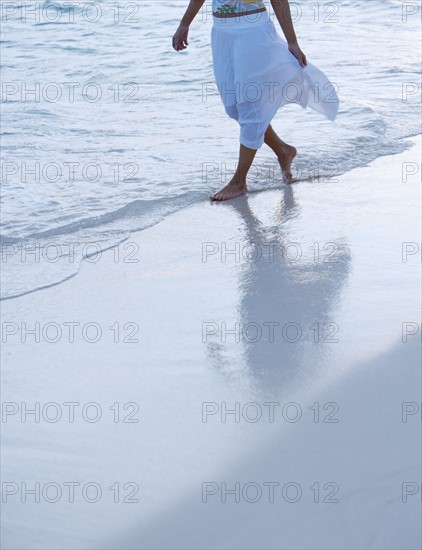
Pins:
<point x="257" y="72"/>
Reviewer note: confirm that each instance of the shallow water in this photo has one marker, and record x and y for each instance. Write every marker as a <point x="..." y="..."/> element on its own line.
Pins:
<point x="120" y="130"/>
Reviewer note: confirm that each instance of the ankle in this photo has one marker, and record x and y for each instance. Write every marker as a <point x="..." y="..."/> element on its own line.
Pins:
<point x="239" y="180"/>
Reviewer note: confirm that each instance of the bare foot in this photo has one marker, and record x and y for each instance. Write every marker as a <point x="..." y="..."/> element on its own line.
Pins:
<point x="285" y="159"/>
<point x="232" y="190"/>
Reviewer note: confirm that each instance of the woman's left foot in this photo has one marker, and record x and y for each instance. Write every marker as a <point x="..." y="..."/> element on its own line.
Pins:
<point x="232" y="190"/>
<point x="285" y="159"/>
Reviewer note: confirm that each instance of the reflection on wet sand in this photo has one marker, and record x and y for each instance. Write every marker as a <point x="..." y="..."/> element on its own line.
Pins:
<point x="287" y="308"/>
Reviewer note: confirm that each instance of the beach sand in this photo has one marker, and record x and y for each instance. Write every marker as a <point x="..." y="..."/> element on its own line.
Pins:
<point x="306" y="297"/>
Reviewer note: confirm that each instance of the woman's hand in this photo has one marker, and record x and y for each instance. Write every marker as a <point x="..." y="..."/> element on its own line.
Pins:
<point x="180" y="38"/>
<point x="297" y="52"/>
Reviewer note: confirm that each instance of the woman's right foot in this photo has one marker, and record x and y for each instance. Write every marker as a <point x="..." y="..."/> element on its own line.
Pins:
<point x="285" y="158"/>
<point x="232" y="190"/>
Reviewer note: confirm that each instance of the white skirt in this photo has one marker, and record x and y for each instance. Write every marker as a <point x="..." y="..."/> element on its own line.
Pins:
<point x="256" y="74"/>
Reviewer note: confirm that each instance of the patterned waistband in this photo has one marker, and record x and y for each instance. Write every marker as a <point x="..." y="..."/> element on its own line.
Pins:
<point x="242" y="21"/>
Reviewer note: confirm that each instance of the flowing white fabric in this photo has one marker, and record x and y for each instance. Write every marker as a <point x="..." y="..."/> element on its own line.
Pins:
<point x="256" y="74"/>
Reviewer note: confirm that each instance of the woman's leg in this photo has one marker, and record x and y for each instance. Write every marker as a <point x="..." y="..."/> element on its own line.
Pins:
<point x="285" y="153"/>
<point x="237" y="185"/>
